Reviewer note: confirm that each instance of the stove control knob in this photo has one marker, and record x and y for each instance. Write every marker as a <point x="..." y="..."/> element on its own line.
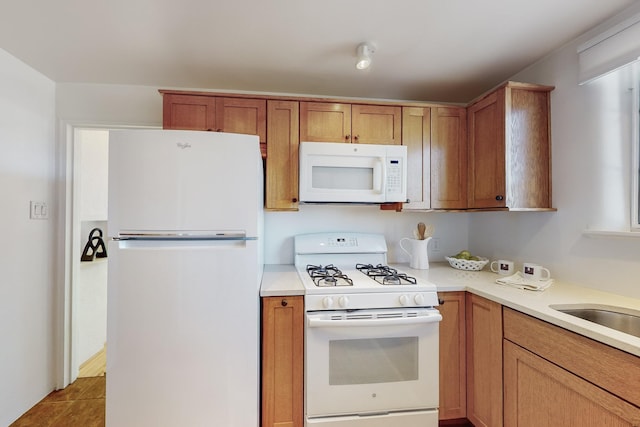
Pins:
<point x="419" y="299"/>
<point x="404" y="300"/>
<point x="344" y="302"/>
<point x="327" y="302"/>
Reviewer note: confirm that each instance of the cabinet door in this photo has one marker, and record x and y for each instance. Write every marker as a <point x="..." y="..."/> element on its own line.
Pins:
<point x="325" y="122"/>
<point x="241" y="115"/>
<point x="282" y="361"/>
<point x="487" y="152"/>
<point x="188" y="112"/>
<point x="282" y="155"/>
<point x="376" y="124"/>
<point x="484" y="361"/>
<point x="538" y="393"/>
<point x="416" y="136"/>
<point x="448" y="158"/>
<point x="453" y="379"/>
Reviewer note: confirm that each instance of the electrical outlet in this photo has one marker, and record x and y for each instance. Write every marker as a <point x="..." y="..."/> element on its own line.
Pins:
<point x="435" y="246"/>
<point x="38" y="210"/>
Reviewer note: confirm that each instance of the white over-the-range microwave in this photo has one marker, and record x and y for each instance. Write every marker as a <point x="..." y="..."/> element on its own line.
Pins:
<point x="352" y="173"/>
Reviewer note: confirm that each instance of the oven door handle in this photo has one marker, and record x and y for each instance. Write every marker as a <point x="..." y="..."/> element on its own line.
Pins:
<point x="395" y="321"/>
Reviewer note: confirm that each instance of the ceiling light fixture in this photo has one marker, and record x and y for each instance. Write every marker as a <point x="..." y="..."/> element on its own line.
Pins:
<point x="363" y="54"/>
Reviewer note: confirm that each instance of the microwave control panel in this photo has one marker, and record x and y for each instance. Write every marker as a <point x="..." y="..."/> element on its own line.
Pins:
<point x="394" y="176"/>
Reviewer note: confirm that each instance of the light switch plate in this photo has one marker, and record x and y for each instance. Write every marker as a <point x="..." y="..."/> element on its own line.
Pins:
<point x="38" y="210"/>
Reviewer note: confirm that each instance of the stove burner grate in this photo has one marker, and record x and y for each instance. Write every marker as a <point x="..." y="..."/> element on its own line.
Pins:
<point x="386" y="275"/>
<point x="329" y="275"/>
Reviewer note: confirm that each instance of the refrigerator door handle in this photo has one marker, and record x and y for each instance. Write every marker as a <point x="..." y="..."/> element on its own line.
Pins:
<point x="186" y="235"/>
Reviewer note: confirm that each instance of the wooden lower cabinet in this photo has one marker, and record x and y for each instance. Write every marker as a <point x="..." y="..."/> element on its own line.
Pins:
<point x="484" y="361"/>
<point x="555" y="377"/>
<point x="282" y="361"/>
<point x="538" y="393"/>
<point x="453" y="378"/>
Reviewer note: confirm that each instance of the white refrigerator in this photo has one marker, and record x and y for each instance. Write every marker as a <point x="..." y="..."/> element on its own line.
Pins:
<point x="185" y="265"/>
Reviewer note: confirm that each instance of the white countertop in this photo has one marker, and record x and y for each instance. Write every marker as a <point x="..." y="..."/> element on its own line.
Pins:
<point x="280" y="280"/>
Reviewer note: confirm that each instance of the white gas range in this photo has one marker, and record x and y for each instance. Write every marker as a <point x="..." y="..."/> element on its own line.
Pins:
<point x="349" y="271"/>
<point x="371" y="353"/>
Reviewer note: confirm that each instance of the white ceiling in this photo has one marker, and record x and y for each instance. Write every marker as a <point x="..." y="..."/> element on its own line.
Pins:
<point x="430" y="50"/>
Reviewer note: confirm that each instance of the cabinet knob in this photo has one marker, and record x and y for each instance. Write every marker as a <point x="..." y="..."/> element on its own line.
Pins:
<point x="218" y="130"/>
<point x="499" y="198"/>
<point x="294" y="200"/>
<point x="284" y="302"/>
<point x="347" y="137"/>
<point x="355" y="138"/>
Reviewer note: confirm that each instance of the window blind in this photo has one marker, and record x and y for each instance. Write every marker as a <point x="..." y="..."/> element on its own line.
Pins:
<point x="610" y="50"/>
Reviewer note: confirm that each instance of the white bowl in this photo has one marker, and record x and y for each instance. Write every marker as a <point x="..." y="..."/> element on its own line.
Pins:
<point x="467" y="264"/>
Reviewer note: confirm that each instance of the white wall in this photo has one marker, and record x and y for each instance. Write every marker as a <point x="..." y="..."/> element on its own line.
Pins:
<point x="98" y="104"/>
<point x="280" y="227"/>
<point x="27" y="256"/>
<point x="591" y="152"/>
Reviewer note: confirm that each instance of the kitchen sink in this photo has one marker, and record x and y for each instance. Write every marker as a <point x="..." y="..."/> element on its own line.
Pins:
<point x="618" y="318"/>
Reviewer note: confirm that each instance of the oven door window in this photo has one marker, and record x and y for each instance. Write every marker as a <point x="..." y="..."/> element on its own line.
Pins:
<point x="373" y="360"/>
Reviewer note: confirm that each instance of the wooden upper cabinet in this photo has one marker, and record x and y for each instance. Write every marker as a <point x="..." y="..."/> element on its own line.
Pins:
<point x="336" y="122"/>
<point x="282" y="155"/>
<point x="448" y="158"/>
<point x="216" y="114"/>
<point x="188" y="112"/>
<point x="241" y="115"/>
<point x="376" y="124"/>
<point x="416" y="136"/>
<point x="510" y="148"/>
<point x="502" y="162"/>
<point x="325" y="122"/>
<point x="486" y="152"/>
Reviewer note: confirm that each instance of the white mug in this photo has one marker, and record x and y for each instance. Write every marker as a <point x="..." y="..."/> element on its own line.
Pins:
<point x="503" y="267"/>
<point x="535" y="271"/>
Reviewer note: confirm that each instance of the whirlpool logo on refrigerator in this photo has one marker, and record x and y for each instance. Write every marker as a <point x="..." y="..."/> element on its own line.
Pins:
<point x="183" y="145"/>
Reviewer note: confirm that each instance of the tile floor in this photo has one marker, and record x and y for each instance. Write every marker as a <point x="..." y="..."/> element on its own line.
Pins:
<point x="81" y="404"/>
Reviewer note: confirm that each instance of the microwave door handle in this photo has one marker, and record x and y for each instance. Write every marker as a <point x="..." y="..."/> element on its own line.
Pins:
<point x="379" y="176"/>
<point x="324" y="323"/>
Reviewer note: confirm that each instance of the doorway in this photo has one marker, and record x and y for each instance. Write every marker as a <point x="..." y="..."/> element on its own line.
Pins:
<point x="81" y="331"/>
